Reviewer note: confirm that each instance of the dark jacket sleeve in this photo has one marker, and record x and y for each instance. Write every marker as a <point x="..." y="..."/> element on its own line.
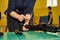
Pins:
<point x="11" y="6"/>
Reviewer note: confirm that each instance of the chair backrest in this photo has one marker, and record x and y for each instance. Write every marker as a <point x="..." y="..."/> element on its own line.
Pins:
<point x="43" y="19"/>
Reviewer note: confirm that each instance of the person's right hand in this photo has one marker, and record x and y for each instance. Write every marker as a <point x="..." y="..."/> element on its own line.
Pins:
<point x="21" y="17"/>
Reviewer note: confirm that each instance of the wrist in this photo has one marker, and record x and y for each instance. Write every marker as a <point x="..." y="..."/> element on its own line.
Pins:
<point x="14" y="15"/>
<point x="27" y="17"/>
<point x="17" y="16"/>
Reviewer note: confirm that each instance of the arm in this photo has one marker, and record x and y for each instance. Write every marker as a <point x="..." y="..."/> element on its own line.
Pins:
<point x="17" y="16"/>
<point x="11" y="10"/>
<point x="29" y="10"/>
<point x="50" y="19"/>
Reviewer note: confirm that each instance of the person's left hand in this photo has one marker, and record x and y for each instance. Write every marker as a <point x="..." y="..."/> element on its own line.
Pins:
<point x="27" y="19"/>
<point x="24" y="28"/>
<point x="27" y="16"/>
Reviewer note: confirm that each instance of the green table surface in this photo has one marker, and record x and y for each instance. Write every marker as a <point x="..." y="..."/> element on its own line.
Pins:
<point x="31" y="35"/>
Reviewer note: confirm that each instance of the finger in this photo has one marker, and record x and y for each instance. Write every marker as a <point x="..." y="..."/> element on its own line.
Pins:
<point x="22" y="15"/>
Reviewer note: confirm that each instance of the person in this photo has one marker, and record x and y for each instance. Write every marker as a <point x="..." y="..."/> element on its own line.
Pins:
<point x="0" y="15"/>
<point x="19" y="12"/>
<point x="49" y="15"/>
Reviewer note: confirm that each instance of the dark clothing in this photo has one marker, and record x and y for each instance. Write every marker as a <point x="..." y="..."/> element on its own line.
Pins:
<point x="0" y="15"/>
<point x="49" y="15"/>
<point x="23" y="7"/>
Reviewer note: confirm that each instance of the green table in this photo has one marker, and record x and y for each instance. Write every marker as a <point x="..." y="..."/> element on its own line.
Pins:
<point x="31" y="35"/>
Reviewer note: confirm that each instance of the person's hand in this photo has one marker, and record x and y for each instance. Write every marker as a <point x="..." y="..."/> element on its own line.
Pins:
<point x="24" y="28"/>
<point x="21" y="17"/>
<point x="27" y="19"/>
<point x="27" y="16"/>
<point x="26" y="23"/>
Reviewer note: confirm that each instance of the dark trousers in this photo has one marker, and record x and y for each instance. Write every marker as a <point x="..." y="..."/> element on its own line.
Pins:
<point x="13" y="24"/>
